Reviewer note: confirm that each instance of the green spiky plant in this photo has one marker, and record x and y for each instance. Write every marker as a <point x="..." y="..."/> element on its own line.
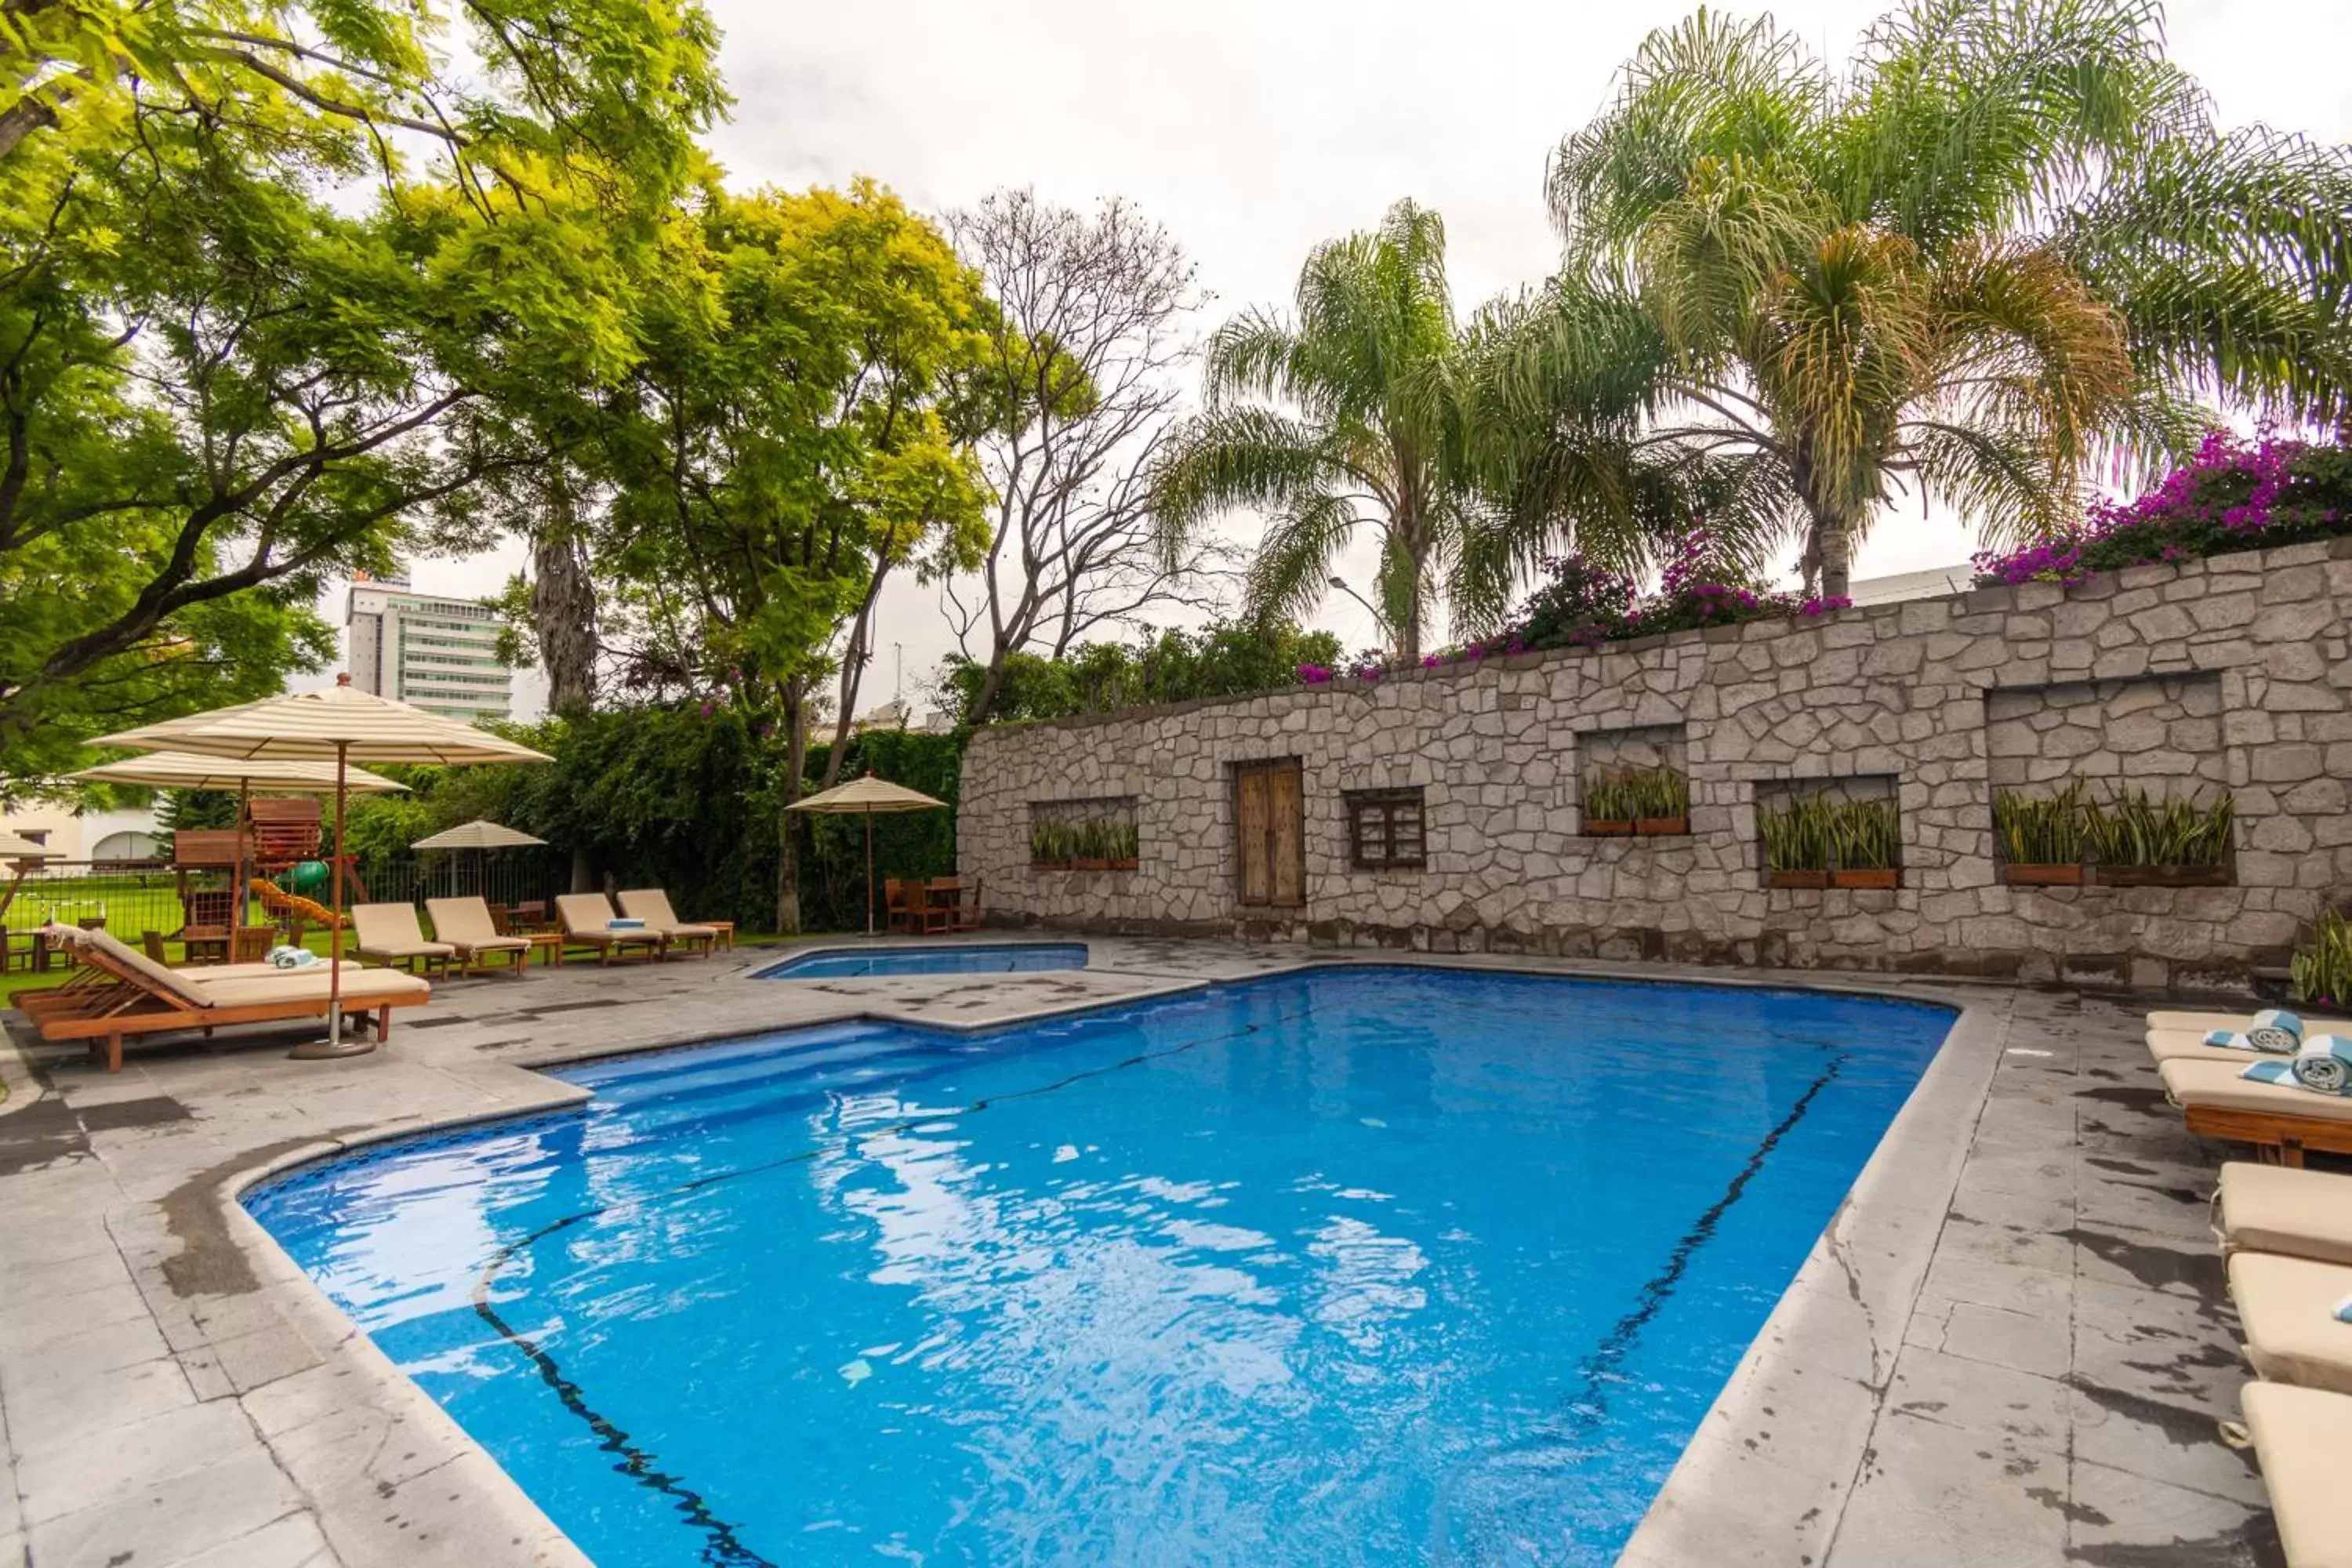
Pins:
<point x="1796" y="833"/>
<point x="2323" y="970"/>
<point x="2040" y="830"/>
<point x="1865" y="834"/>
<point x="1125" y="840"/>
<point x="2137" y="829"/>
<point x="1634" y="794"/>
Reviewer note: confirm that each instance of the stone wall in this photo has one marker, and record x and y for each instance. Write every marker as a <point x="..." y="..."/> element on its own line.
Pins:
<point x="2230" y="673"/>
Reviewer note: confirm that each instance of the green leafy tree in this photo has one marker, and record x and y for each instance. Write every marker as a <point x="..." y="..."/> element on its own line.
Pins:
<point x="784" y="450"/>
<point x="226" y="377"/>
<point x="2008" y="248"/>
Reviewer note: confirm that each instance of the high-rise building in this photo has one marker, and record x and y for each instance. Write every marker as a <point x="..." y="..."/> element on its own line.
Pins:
<point x="441" y="655"/>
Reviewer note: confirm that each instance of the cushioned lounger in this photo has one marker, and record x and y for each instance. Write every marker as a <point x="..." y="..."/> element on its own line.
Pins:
<point x="2220" y="1104"/>
<point x="388" y="934"/>
<point x="2286" y="1309"/>
<point x="122" y="992"/>
<point x="586" y="918"/>
<point x="466" y="925"/>
<point x="2295" y="1214"/>
<point x="651" y="905"/>
<point x="2300" y="1436"/>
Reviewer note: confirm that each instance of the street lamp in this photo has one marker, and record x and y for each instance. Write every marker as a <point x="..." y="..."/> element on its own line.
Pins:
<point x="1379" y="621"/>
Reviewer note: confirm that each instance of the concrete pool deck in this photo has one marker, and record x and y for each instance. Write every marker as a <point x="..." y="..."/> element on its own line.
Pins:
<point x="2011" y="1347"/>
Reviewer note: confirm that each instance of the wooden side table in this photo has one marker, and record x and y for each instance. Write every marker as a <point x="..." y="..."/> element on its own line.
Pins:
<point x="549" y="942"/>
<point x="725" y="929"/>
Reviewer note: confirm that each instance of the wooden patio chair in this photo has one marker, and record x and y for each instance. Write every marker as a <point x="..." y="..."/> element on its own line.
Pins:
<point x="123" y="994"/>
<point x="587" y="920"/>
<point x="960" y="911"/>
<point x="651" y="905"/>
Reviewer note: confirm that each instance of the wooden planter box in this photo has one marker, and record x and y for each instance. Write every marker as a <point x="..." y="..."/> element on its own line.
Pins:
<point x="2160" y="875"/>
<point x="1090" y="863"/>
<point x="2042" y="876"/>
<point x="1052" y="865"/>
<point x="1796" y="879"/>
<point x="1609" y="826"/>
<point x="1873" y="877"/>
<point x="1662" y="827"/>
<point x="1127" y="864"/>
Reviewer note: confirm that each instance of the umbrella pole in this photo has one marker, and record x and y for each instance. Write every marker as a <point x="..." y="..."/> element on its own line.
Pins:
<point x="869" y="870"/>
<point x="334" y="1045"/>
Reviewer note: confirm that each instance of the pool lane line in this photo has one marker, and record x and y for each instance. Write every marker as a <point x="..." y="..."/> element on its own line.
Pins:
<point x="1590" y="1404"/>
<point x="723" y="1548"/>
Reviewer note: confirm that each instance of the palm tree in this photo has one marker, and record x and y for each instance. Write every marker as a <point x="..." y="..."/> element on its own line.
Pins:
<point x="1374" y="371"/>
<point x="2008" y="248"/>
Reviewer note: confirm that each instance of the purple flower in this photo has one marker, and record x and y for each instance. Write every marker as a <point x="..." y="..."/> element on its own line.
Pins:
<point x="1313" y="674"/>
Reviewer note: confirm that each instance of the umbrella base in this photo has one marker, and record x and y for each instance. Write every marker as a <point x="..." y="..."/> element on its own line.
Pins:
<point x="329" y="1050"/>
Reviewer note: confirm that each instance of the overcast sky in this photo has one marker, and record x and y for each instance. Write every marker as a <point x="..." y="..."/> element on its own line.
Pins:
<point x="1254" y="130"/>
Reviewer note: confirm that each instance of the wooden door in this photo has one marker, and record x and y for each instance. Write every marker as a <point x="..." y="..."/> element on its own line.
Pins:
<point x="1270" y="833"/>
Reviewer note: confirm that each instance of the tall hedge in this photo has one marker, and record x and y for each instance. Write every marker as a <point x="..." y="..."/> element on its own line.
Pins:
<point x="673" y="798"/>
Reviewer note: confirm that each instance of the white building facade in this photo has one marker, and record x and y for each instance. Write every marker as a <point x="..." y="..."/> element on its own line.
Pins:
<point x="442" y="654"/>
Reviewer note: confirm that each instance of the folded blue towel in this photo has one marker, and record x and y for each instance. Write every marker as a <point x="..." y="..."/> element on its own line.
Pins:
<point x="2325" y="1064"/>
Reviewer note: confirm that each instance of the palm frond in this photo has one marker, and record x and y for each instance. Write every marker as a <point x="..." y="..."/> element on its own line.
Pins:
<point x="1292" y="568"/>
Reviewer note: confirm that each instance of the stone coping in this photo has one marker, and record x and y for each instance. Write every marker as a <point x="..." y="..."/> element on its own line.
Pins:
<point x="1819" y="1367"/>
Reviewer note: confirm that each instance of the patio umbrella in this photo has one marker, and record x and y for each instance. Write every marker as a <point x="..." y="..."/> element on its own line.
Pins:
<point x="342" y="725"/>
<point x="20" y="853"/>
<point x="192" y="769"/>
<point x="869" y="795"/>
<point x="480" y="837"/>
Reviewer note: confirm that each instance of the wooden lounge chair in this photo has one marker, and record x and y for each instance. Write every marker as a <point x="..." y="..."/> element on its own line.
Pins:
<point x="2280" y="1122"/>
<point x="464" y="924"/>
<point x="2300" y="1436"/>
<point x="651" y="905"/>
<point x="2292" y="1213"/>
<point x="124" y="993"/>
<point x="2286" y="1309"/>
<point x="389" y="934"/>
<point x="586" y="920"/>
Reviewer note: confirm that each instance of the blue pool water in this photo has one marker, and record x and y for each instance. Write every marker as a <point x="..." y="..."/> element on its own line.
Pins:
<point x="1356" y="1266"/>
<point x="993" y="958"/>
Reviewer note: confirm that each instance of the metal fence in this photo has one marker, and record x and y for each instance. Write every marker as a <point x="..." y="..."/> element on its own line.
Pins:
<point x="132" y="897"/>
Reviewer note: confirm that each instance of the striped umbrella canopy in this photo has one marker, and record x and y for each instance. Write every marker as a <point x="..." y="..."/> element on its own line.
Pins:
<point x="343" y="726"/>
<point x="190" y="770"/>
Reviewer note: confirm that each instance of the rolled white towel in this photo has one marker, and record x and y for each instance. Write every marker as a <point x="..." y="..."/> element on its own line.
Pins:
<point x="291" y="957"/>
<point x="2325" y="1064"/>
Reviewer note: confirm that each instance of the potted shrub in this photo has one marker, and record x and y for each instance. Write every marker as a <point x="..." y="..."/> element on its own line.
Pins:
<point x="1865" y="837"/>
<point x="1125" y="843"/>
<point x="2040" y="840"/>
<point x="2139" y="842"/>
<point x="1608" y="806"/>
<point x="1796" y="843"/>
<point x="1050" y="846"/>
<point x="1661" y="802"/>
<point x="1093" y="847"/>
<point x="2322" y="971"/>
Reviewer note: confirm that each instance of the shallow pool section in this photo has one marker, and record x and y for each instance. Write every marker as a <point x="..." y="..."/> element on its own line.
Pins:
<point x="1377" y="1266"/>
<point x="980" y="958"/>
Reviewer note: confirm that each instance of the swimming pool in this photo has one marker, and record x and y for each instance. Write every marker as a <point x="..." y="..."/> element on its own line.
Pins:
<point x="1370" y="1266"/>
<point x="983" y="958"/>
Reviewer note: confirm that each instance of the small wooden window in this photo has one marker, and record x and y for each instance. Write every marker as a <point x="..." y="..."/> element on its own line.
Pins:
<point x="1385" y="829"/>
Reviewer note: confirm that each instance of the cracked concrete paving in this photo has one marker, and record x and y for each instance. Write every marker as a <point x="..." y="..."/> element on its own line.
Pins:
<point x="2010" y="1347"/>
